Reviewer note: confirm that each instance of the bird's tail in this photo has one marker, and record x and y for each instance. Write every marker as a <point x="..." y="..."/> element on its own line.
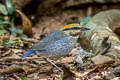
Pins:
<point x="28" y="53"/>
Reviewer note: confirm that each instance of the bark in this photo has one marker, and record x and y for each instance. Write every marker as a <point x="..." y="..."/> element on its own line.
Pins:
<point x="102" y="26"/>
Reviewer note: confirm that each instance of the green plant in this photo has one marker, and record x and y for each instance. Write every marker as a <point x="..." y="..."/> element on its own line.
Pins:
<point x="24" y="78"/>
<point x="7" y="19"/>
<point x="5" y="42"/>
<point x="59" y="78"/>
<point x="16" y="32"/>
<point x="10" y="10"/>
<point x="17" y="43"/>
<point x="85" y="20"/>
<point x="6" y="12"/>
<point x="6" y="15"/>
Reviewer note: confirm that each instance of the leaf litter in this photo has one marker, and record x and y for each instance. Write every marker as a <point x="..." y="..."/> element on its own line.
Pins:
<point x="35" y="68"/>
<point x="12" y="67"/>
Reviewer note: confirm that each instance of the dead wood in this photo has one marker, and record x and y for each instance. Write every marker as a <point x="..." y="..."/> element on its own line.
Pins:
<point x="102" y="26"/>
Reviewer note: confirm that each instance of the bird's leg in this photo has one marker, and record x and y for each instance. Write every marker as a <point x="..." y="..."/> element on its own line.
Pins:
<point x="53" y="64"/>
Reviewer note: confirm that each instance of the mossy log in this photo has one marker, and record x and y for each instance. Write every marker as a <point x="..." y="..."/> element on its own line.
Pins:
<point x="102" y="26"/>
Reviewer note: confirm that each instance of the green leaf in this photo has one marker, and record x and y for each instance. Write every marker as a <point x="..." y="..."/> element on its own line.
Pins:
<point x="59" y="78"/>
<point x="91" y="54"/>
<point x="89" y="62"/>
<point x="117" y="71"/>
<point x="3" y="9"/>
<point x="9" y="7"/>
<point x="13" y="31"/>
<point x="6" y="43"/>
<point x="2" y="32"/>
<point x="85" y="20"/>
<point x="17" y="41"/>
<point x="4" y="22"/>
<point x="14" y="34"/>
<point x="24" y="78"/>
<point x="24" y="36"/>
<point x="10" y="10"/>
<point x="1" y="18"/>
<point x="100" y="1"/>
<point x="1" y="27"/>
<point x="19" y="31"/>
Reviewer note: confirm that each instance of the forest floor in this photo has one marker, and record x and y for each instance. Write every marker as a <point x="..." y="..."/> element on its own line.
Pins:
<point x="34" y="67"/>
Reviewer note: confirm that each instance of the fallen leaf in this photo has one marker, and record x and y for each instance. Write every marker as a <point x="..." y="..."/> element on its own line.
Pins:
<point x="67" y="60"/>
<point x="101" y="59"/>
<point x="7" y="52"/>
<point x="117" y="78"/>
<point x="17" y="77"/>
<point x="30" y="40"/>
<point x="15" y="56"/>
<point x="26" y="23"/>
<point x="68" y="74"/>
<point x="17" y="50"/>
<point x="11" y="69"/>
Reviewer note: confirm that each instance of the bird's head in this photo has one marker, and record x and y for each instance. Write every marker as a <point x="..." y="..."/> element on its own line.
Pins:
<point x="74" y="29"/>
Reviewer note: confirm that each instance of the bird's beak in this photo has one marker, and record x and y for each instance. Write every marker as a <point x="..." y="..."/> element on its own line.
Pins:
<point x="85" y="28"/>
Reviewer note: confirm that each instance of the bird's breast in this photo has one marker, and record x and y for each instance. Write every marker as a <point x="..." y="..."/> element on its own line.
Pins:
<point x="59" y="48"/>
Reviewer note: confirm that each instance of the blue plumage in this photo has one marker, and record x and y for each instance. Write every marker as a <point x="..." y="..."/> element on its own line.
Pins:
<point x="54" y="45"/>
<point x="43" y="45"/>
<point x="28" y="53"/>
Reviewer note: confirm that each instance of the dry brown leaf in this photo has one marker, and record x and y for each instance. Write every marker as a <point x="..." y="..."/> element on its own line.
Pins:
<point x="67" y="59"/>
<point x="7" y="52"/>
<point x="99" y="59"/>
<point x="15" y="56"/>
<point x="17" y="51"/>
<point x="11" y="69"/>
<point x="19" y="59"/>
<point x="1" y="46"/>
<point x="27" y="68"/>
<point x="117" y="78"/>
<point x="4" y="36"/>
<point x="32" y="70"/>
<point x="30" y="40"/>
<point x="17" y="77"/>
<point x="68" y="74"/>
<point x="26" y="23"/>
<point x="99" y="68"/>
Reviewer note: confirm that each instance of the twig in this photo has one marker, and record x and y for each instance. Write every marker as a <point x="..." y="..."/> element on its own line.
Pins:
<point x="30" y="40"/>
<point x="100" y="67"/>
<point x="19" y="59"/>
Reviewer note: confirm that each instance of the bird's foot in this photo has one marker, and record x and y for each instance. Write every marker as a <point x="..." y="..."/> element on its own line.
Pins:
<point x="53" y="64"/>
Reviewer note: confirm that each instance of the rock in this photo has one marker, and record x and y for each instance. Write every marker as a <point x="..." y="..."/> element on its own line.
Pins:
<point x="100" y="59"/>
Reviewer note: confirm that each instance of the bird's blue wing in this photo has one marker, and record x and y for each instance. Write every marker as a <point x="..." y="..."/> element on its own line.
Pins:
<point x="49" y="39"/>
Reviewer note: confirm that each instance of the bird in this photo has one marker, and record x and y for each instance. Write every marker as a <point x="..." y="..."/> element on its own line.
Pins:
<point x="58" y="43"/>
